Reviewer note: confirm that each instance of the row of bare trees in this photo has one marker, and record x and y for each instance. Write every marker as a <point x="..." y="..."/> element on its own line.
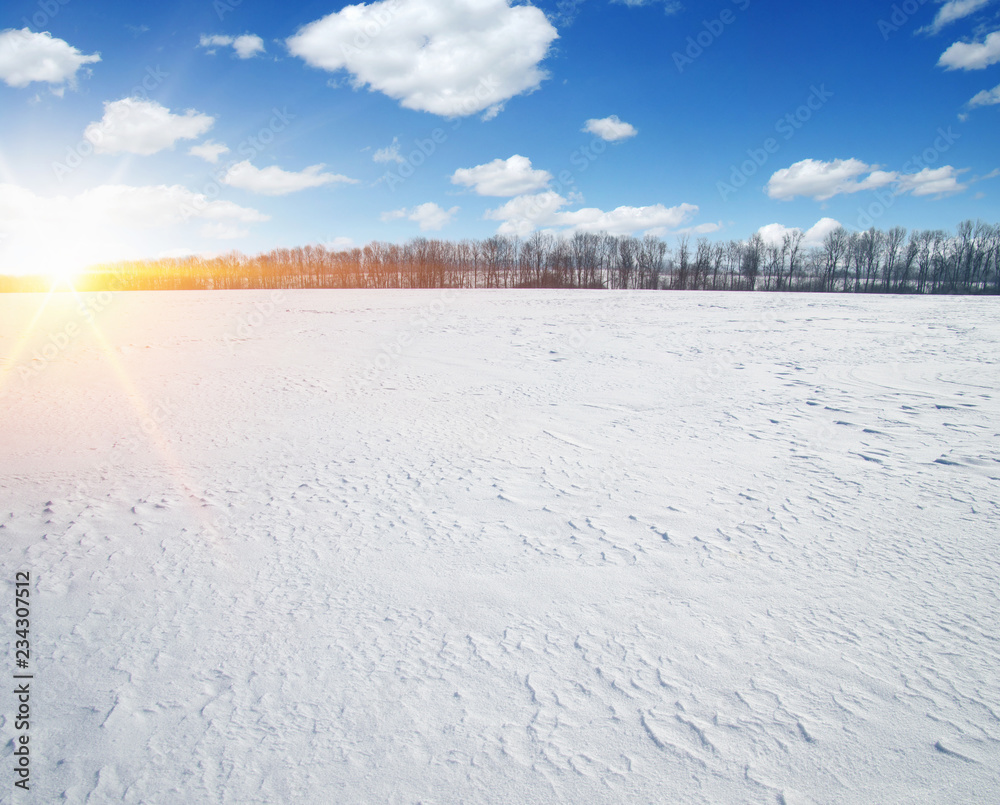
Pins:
<point x="873" y="261"/>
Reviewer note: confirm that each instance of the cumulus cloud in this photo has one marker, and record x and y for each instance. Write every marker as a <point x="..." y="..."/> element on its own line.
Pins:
<point x="448" y="57"/>
<point x="209" y="150"/>
<point x="628" y="220"/>
<point x="26" y="57"/>
<point x="142" y="207"/>
<point x="775" y="233"/>
<point x="108" y="222"/>
<point x="610" y="128"/>
<point x="246" y="46"/>
<point x="706" y="228"/>
<point x="429" y="215"/>
<point x="389" y="154"/>
<point x="816" y="234"/>
<point x="163" y="205"/>
<point x="972" y="55"/>
<point x="503" y="177"/>
<point x="988" y="97"/>
<point x="143" y="127"/>
<point x="341" y="243"/>
<point x="273" y="181"/>
<point x="223" y="231"/>
<point x="523" y="214"/>
<point x="941" y="181"/>
<point x="823" y="180"/>
<point x="951" y="11"/>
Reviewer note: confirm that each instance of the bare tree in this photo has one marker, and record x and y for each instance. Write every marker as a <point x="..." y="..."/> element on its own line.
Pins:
<point x="753" y="256"/>
<point x="835" y="246"/>
<point x="892" y="246"/>
<point x="683" y="262"/>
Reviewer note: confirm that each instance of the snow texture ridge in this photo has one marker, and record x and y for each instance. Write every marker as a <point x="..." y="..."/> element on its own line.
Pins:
<point x="527" y="547"/>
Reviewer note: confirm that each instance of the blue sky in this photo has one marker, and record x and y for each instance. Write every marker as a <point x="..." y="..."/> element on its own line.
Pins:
<point x="136" y="130"/>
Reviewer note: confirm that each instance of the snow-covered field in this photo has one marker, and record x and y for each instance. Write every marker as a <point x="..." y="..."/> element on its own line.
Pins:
<point x="504" y="547"/>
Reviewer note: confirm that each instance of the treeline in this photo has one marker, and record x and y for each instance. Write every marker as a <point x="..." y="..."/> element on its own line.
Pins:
<point x="873" y="261"/>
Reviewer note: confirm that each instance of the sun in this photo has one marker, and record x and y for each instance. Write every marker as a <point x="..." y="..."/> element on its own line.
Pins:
<point x="64" y="278"/>
<point x="63" y="263"/>
<point x="63" y="255"/>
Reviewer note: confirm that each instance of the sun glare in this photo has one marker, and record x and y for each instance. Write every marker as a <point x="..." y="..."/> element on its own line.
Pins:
<point x="63" y="278"/>
<point x="64" y="263"/>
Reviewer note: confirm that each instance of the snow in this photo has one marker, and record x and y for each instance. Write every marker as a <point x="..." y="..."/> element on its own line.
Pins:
<point x="508" y="546"/>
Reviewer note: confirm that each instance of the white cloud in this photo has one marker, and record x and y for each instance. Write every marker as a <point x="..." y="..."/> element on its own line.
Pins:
<point x="26" y="57"/>
<point x="209" y="150"/>
<point x="448" y="57"/>
<point x="610" y="128"/>
<point x="503" y="177"/>
<point x="941" y="181"/>
<point x="700" y="229"/>
<point x="273" y="181"/>
<point x="162" y="205"/>
<point x="143" y="127"/>
<point x="341" y="243"/>
<point x="214" y="40"/>
<point x="775" y="233"/>
<point x="988" y="97"/>
<point x="222" y="231"/>
<point x="108" y="222"/>
<point x="823" y="180"/>
<point x="951" y="11"/>
<point x="429" y="215"/>
<point x="816" y="234"/>
<point x="628" y="220"/>
<point x="772" y="234"/>
<point x="972" y="55"/>
<point x="523" y="214"/>
<point x="389" y="154"/>
<point x="246" y="46"/>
